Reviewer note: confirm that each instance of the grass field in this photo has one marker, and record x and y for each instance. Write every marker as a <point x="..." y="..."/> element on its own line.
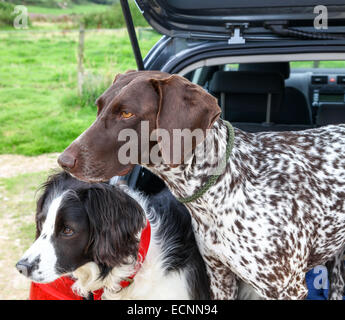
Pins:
<point x="39" y="108"/>
<point x="40" y="111"/>
<point x="322" y="64"/>
<point x="76" y="9"/>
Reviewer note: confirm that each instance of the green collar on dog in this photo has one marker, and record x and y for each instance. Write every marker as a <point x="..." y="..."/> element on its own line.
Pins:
<point x="213" y="178"/>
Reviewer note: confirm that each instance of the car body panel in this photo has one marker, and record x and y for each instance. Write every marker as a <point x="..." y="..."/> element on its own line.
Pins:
<point x="203" y="19"/>
<point x="174" y="54"/>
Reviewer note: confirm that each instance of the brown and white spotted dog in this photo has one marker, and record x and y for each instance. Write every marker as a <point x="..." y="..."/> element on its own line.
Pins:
<point x="277" y="210"/>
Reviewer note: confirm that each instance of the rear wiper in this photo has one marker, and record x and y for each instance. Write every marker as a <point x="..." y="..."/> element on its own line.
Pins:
<point x="280" y="28"/>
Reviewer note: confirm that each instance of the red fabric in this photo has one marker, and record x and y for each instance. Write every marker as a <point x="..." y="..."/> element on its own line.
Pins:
<point x="144" y="245"/>
<point x="60" y="289"/>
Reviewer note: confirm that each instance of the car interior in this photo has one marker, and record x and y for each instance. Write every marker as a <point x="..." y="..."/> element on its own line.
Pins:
<point x="274" y="96"/>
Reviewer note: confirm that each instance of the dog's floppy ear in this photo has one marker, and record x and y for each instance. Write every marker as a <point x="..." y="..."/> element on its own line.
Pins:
<point x="120" y="74"/>
<point x="115" y="222"/>
<point x="183" y="105"/>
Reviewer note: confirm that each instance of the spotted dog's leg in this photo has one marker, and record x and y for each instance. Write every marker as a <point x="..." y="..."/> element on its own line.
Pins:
<point x="300" y="292"/>
<point x="295" y="287"/>
<point x="225" y="285"/>
<point x="336" y="277"/>
<point x="223" y="282"/>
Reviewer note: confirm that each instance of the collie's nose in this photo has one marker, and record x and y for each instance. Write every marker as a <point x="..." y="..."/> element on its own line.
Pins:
<point x="66" y="161"/>
<point x="23" y="267"/>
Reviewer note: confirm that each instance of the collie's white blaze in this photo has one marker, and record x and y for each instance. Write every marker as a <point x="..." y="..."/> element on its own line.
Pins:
<point x="42" y="252"/>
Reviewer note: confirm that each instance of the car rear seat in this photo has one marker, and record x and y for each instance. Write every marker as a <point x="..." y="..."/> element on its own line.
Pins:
<point x="294" y="109"/>
<point x="250" y="100"/>
<point x="247" y="97"/>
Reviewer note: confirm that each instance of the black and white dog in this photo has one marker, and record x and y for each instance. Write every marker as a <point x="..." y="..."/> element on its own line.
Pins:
<point x="94" y="233"/>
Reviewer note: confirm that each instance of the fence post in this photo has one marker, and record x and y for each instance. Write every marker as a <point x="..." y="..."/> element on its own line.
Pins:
<point x="316" y="64"/>
<point x="81" y="58"/>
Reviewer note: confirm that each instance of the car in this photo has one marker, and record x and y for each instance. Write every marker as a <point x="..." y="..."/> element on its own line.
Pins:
<point x="273" y="66"/>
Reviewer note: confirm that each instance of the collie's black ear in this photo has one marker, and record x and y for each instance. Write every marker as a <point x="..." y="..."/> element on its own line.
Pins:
<point x="115" y="222"/>
<point x="39" y="213"/>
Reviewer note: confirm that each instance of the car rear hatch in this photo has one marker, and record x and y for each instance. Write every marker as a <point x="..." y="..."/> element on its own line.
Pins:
<point x="198" y="29"/>
<point x="241" y="20"/>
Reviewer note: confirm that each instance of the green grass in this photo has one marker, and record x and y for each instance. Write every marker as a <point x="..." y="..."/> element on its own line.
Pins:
<point x="113" y="17"/>
<point x="49" y="16"/>
<point x="322" y="64"/>
<point x="40" y="111"/>
<point x="18" y="211"/>
<point x="23" y="183"/>
<point x="75" y="9"/>
<point x="21" y="194"/>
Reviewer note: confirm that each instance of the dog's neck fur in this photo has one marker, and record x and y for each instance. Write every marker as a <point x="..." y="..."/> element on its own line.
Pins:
<point x="184" y="180"/>
<point x="151" y="272"/>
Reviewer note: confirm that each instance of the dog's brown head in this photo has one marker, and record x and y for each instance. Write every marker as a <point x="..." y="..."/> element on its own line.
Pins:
<point x="161" y="100"/>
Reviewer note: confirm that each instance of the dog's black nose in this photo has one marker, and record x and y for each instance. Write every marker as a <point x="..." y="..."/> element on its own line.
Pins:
<point x="23" y="267"/>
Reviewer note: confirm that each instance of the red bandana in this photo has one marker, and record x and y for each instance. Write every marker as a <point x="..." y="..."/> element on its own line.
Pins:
<point x="60" y="289"/>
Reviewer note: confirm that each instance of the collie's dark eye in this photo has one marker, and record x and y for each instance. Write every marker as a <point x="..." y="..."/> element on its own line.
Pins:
<point x="66" y="231"/>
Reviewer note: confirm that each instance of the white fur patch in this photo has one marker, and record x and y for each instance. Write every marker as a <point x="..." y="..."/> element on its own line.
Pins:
<point x="43" y="249"/>
<point x="150" y="283"/>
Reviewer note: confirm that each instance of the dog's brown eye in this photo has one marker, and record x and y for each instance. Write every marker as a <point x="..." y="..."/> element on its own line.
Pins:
<point x="67" y="231"/>
<point x="126" y="114"/>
